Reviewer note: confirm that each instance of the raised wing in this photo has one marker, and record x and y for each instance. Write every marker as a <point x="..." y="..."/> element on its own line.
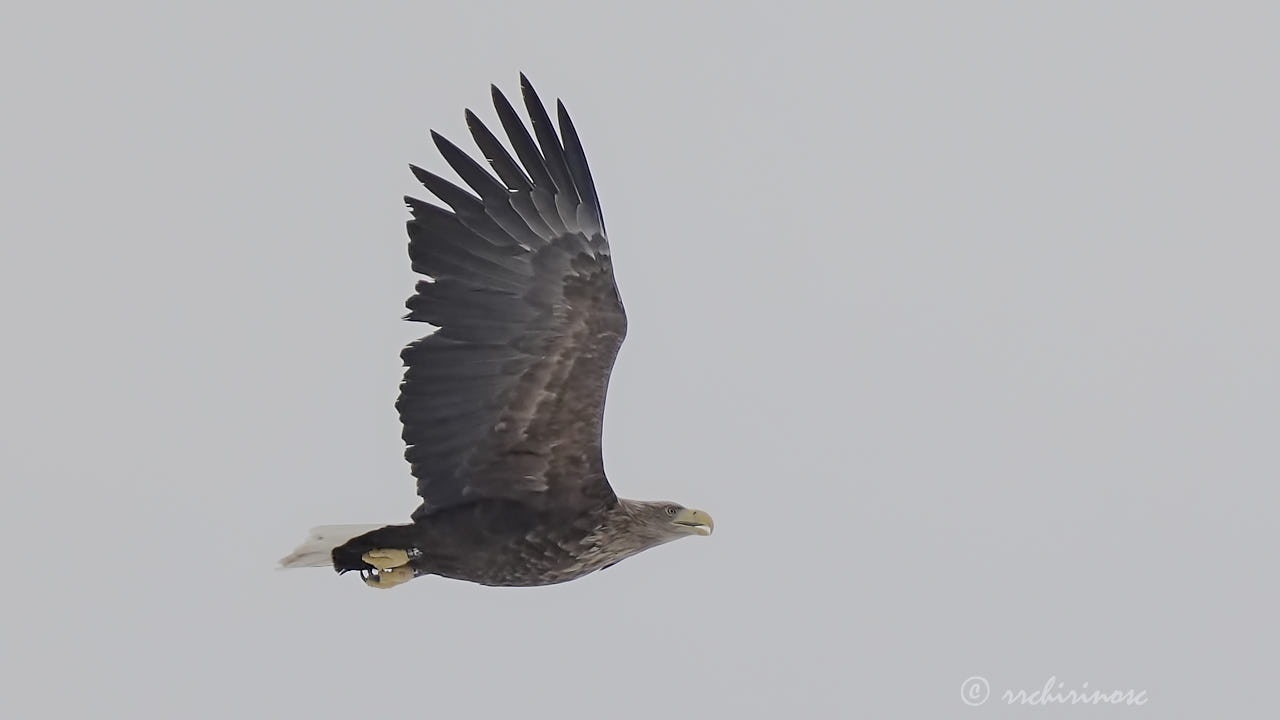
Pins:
<point x="506" y="399"/>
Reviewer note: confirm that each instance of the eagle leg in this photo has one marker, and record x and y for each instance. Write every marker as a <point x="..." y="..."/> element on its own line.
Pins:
<point x="387" y="578"/>
<point x="386" y="558"/>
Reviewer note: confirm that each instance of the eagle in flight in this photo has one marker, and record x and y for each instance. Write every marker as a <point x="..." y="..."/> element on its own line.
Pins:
<point x="503" y="404"/>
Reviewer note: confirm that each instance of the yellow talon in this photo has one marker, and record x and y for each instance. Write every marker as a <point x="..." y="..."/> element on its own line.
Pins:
<point x="389" y="578"/>
<point x="386" y="558"/>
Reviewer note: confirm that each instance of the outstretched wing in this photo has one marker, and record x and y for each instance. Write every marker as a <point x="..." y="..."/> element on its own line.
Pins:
<point x="506" y="399"/>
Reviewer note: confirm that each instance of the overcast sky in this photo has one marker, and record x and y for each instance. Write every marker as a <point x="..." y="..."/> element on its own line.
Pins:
<point x="959" y="317"/>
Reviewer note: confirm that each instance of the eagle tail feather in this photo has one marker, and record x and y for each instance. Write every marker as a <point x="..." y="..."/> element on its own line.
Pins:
<point x="317" y="549"/>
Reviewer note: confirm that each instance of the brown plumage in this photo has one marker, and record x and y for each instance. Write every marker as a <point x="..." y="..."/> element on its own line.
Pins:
<point x="503" y="405"/>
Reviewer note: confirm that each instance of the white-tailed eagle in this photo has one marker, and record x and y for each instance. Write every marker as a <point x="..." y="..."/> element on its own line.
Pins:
<point x="502" y="406"/>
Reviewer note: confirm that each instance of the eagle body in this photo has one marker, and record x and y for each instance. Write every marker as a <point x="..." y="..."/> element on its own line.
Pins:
<point x="504" y="543"/>
<point x="503" y="405"/>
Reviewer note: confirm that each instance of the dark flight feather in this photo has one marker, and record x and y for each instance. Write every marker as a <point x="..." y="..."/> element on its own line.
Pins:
<point x="566" y="196"/>
<point x="543" y="193"/>
<point x="589" y="211"/>
<point x="499" y="159"/>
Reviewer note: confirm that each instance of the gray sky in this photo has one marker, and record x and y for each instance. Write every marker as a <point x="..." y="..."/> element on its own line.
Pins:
<point x="960" y="318"/>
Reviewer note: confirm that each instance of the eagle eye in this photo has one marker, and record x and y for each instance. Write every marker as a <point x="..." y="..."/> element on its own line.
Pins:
<point x="671" y="510"/>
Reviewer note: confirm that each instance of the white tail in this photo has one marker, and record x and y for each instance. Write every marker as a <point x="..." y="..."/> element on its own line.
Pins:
<point x="316" y="550"/>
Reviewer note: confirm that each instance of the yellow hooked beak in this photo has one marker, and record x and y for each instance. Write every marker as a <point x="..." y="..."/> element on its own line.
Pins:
<point x="694" y="521"/>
